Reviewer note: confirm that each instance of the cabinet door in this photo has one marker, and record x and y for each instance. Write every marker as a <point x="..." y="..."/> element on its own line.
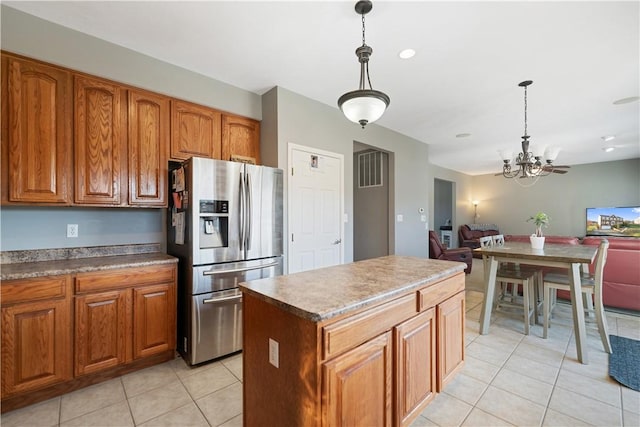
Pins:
<point x="99" y="141"/>
<point x="195" y="131"/>
<point x="154" y="321"/>
<point x="240" y="136"/>
<point x="357" y="387"/>
<point x="415" y="361"/>
<point x="450" y="338"/>
<point x="148" y="140"/>
<point x="36" y="134"/>
<point x="36" y="345"/>
<point x="101" y="330"/>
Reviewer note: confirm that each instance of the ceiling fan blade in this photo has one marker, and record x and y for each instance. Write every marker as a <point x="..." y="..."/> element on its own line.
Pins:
<point x="561" y="166"/>
<point x="559" y="171"/>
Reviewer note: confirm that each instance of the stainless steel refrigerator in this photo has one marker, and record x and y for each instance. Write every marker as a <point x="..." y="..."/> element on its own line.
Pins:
<point x="225" y="226"/>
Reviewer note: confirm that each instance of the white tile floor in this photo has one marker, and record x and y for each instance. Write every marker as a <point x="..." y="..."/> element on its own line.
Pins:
<point x="508" y="379"/>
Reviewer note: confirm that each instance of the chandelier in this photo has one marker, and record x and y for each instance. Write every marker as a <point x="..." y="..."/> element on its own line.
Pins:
<point x="364" y="105"/>
<point x="528" y="164"/>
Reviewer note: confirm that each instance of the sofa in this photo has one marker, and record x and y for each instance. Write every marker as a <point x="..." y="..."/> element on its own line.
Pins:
<point x="621" y="287"/>
<point x="469" y="235"/>
<point x="438" y="251"/>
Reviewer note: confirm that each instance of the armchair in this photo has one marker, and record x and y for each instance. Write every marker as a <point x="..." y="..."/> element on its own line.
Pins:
<point x="437" y="251"/>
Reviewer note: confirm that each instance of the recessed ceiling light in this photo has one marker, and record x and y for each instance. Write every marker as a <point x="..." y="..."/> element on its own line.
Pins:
<point x="608" y="138"/>
<point x="463" y="135"/>
<point x="407" y="53"/>
<point x="626" y="100"/>
<point x="608" y="149"/>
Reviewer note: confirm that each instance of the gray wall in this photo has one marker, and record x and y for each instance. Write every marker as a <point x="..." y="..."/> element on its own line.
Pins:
<point x="563" y="197"/>
<point x="44" y="228"/>
<point x="36" y="38"/>
<point x="306" y="122"/>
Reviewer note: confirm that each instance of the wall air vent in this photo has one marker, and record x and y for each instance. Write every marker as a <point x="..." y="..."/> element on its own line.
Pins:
<point x="370" y="169"/>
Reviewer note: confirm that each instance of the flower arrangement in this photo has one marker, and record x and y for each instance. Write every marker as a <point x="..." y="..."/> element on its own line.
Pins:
<point x="540" y="220"/>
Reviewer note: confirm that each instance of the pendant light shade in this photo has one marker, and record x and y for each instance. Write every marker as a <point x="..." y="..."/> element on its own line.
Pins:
<point x="364" y="106"/>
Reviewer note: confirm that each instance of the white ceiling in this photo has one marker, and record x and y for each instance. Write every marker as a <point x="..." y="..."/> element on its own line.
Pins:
<point x="582" y="56"/>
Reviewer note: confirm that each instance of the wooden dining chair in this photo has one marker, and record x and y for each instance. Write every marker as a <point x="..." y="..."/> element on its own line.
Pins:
<point x="591" y="286"/>
<point x="515" y="276"/>
<point x="498" y="240"/>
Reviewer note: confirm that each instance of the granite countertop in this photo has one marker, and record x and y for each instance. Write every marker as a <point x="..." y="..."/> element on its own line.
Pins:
<point x="52" y="262"/>
<point x="318" y="295"/>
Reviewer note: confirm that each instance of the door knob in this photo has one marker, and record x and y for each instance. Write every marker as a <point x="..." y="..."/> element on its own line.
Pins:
<point x="337" y="241"/>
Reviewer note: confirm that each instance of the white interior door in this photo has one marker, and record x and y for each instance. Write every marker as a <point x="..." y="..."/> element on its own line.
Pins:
<point x="316" y="198"/>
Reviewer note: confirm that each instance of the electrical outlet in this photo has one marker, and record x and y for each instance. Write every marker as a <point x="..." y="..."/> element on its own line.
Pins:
<point x="72" y="230"/>
<point x="273" y="353"/>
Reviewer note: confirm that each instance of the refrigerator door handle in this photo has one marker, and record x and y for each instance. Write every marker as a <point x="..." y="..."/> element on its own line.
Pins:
<point x="243" y="212"/>
<point x="249" y="212"/>
<point x="222" y="299"/>
<point x="237" y="270"/>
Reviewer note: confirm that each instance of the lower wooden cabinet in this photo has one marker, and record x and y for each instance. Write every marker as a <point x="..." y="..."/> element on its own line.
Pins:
<point x="415" y="360"/>
<point x="358" y="385"/>
<point x="102" y="324"/>
<point x="36" y="333"/>
<point x="380" y="366"/>
<point x="450" y="338"/>
<point x="118" y="319"/>
<point x="154" y="319"/>
<point x="123" y="315"/>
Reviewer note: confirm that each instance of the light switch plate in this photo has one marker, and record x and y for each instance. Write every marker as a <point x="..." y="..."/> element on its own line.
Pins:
<point x="400" y="218"/>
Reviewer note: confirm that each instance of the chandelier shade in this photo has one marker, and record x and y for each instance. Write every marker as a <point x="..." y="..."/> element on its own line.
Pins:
<point x="363" y="105"/>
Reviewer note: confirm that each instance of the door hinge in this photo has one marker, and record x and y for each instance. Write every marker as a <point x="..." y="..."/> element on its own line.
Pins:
<point x="292" y="237"/>
<point x="291" y="171"/>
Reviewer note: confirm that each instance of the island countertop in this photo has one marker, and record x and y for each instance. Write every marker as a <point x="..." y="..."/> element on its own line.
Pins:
<point x="321" y="294"/>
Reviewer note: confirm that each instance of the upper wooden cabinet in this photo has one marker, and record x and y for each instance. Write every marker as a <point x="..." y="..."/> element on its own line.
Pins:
<point x="195" y="131"/>
<point x="148" y="146"/>
<point x="241" y="137"/>
<point x="99" y="124"/>
<point x="73" y="139"/>
<point x="36" y="132"/>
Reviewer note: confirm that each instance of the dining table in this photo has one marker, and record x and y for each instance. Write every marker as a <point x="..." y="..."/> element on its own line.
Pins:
<point x="569" y="257"/>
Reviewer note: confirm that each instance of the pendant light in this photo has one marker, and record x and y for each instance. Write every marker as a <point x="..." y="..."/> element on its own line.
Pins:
<point x="364" y="106"/>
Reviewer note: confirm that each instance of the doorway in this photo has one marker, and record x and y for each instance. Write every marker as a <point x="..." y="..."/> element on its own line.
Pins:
<point x="372" y="203"/>
<point x="444" y="212"/>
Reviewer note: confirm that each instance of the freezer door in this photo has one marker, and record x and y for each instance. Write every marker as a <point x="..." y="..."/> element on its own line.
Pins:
<point x="213" y="184"/>
<point x="217" y="320"/>
<point x="264" y="205"/>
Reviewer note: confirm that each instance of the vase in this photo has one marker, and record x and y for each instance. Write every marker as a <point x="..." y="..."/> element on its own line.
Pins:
<point x="536" y="242"/>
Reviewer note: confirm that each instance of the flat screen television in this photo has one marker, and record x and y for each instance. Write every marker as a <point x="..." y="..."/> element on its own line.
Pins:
<point x="620" y="221"/>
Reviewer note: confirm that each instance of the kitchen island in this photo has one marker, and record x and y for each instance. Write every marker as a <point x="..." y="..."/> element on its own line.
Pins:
<point x="367" y="343"/>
